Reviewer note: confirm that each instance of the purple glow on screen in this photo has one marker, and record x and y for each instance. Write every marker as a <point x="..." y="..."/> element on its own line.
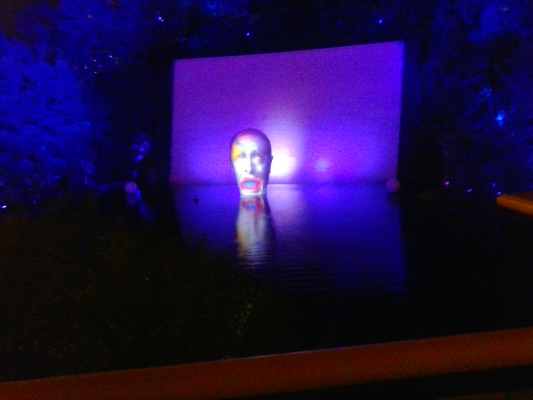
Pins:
<point x="332" y="115"/>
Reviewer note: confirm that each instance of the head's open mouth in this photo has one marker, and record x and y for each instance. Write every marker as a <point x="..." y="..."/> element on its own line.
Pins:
<point x="250" y="184"/>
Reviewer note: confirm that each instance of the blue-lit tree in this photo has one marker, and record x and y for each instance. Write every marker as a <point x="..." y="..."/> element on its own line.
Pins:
<point x="45" y="134"/>
<point x="99" y="36"/>
<point x="52" y="114"/>
<point x="478" y="93"/>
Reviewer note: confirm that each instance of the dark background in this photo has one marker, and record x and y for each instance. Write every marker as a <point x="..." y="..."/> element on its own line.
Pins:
<point x="85" y="86"/>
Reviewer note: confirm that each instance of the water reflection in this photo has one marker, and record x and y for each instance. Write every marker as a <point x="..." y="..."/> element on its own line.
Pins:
<point x="255" y="232"/>
<point x="339" y="238"/>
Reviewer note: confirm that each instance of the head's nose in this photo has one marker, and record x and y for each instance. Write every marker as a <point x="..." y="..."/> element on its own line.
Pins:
<point x="249" y="166"/>
<point x="252" y="167"/>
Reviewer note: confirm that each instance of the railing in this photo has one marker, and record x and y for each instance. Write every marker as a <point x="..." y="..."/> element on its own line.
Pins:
<point x="521" y="202"/>
<point x="292" y="372"/>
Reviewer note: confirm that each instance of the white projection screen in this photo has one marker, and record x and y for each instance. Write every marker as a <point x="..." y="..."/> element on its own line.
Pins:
<point x="332" y="115"/>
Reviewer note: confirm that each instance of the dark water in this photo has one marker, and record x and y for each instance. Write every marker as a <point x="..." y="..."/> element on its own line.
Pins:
<point x="303" y="238"/>
<point x="371" y="267"/>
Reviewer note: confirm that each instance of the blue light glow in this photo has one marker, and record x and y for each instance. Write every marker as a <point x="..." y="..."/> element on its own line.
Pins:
<point x="500" y="118"/>
<point x="486" y="92"/>
<point x="322" y="165"/>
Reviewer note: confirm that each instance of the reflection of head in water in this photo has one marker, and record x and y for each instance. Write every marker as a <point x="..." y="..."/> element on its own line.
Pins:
<point x="251" y="156"/>
<point x="254" y="230"/>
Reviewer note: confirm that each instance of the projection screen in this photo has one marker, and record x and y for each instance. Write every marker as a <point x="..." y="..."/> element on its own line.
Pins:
<point x="332" y="115"/>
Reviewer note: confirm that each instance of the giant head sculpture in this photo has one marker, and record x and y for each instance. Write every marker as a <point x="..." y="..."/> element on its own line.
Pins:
<point x="251" y="156"/>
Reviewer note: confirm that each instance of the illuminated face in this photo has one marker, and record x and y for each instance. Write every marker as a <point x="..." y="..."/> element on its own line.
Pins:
<point x="251" y="156"/>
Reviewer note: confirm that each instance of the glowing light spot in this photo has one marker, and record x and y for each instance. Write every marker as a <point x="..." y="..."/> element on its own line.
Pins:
<point x="500" y="118"/>
<point x="322" y="165"/>
<point x="131" y="187"/>
<point x="486" y="92"/>
<point x="283" y="163"/>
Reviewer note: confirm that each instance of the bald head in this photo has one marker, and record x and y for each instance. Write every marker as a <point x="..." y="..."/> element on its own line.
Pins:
<point x="251" y="156"/>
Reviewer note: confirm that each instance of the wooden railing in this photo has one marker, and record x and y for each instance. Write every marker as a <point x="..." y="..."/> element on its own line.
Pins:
<point x="291" y="372"/>
<point x="521" y="202"/>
